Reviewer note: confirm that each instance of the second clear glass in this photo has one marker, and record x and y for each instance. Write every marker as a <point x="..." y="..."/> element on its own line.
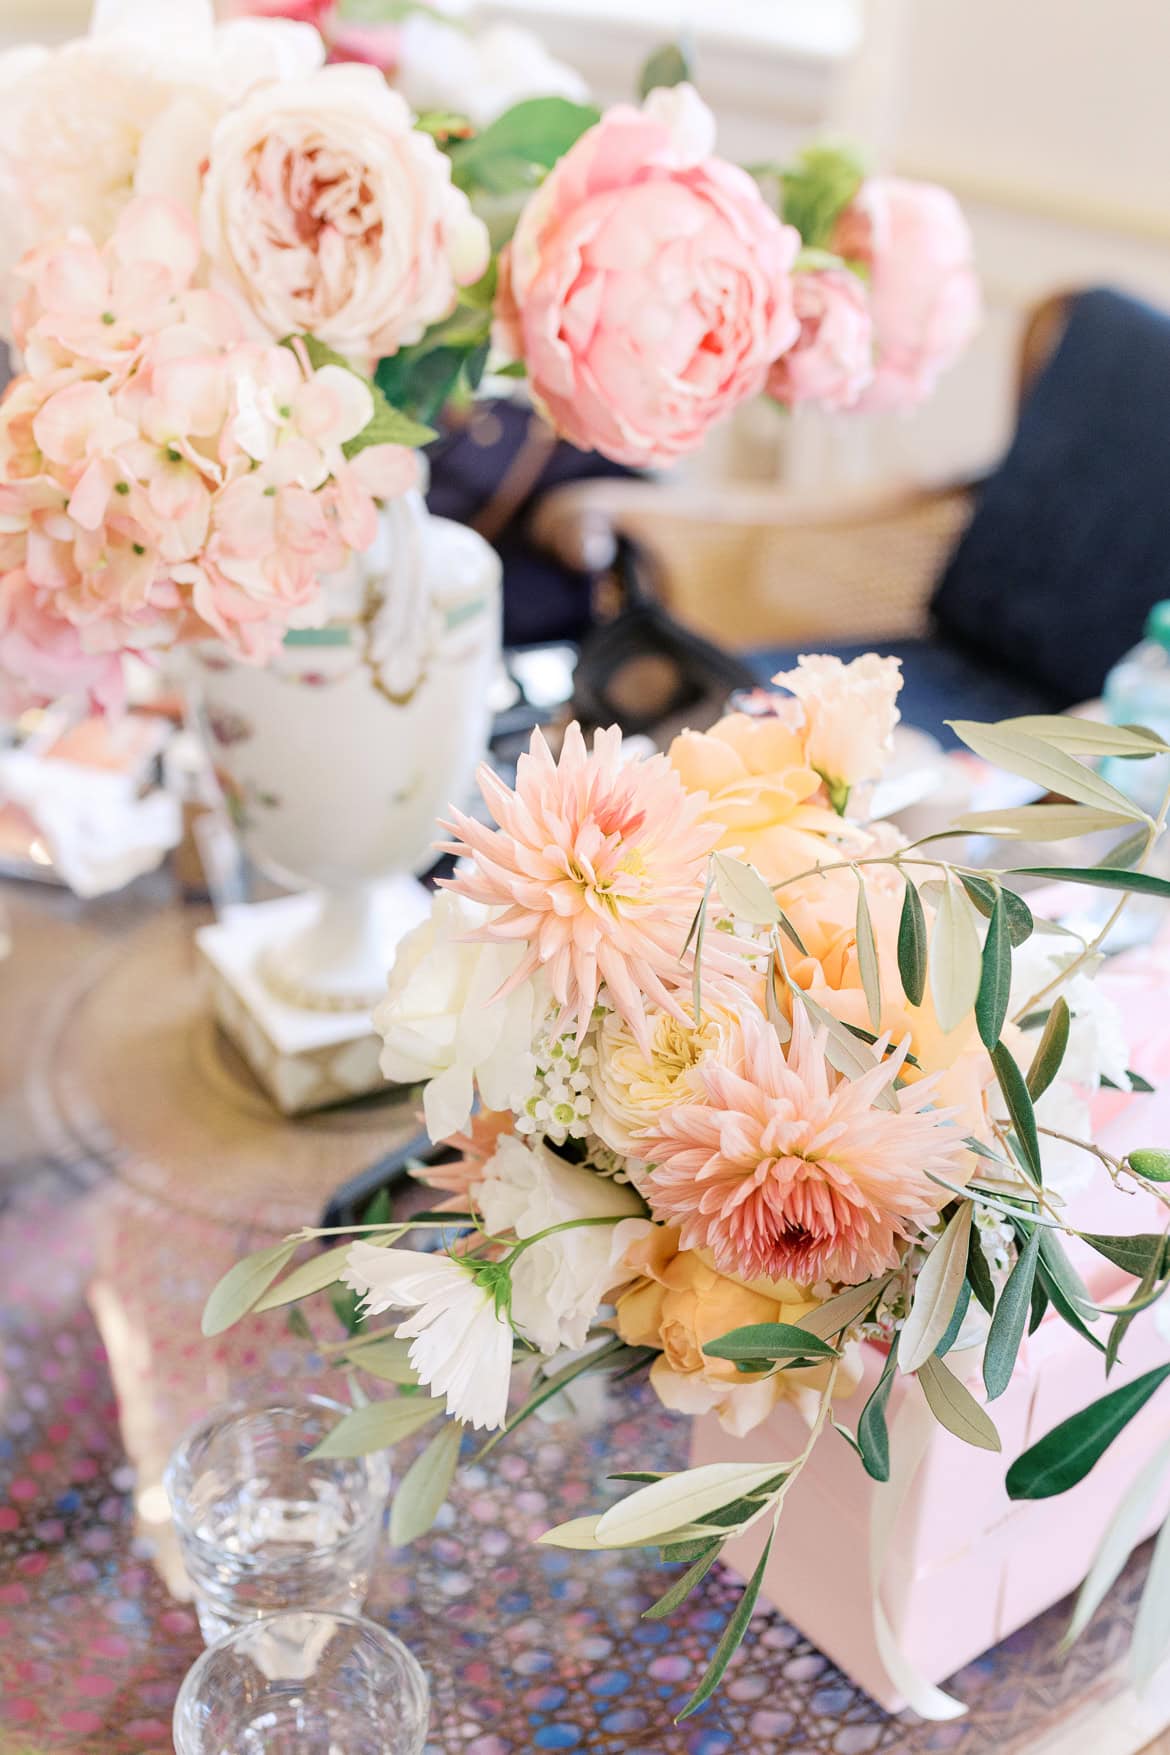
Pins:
<point x="263" y="1525"/>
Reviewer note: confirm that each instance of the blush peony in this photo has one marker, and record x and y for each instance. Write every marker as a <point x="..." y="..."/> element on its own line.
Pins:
<point x="784" y="1168"/>
<point x="831" y="361"/>
<point x="648" y="287"/>
<point x="917" y="250"/>
<point x="332" y="215"/>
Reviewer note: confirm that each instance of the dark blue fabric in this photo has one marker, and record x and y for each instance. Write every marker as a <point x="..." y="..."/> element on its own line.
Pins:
<point x="941" y="682"/>
<point x="1070" y="542"/>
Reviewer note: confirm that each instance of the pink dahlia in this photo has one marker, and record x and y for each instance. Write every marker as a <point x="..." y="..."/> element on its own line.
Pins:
<point x="597" y="865"/>
<point x="785" y="1170"/>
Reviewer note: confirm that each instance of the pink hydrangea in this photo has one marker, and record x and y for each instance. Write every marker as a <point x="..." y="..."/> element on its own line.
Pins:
<point x="162" y="479"/>
<point x="648" y="287"/>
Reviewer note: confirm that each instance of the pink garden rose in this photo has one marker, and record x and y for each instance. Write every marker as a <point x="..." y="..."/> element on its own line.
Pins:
<point x="649" y="285"/>
<point x="161" y="477"/>
<point x="831" y="361"/>
<point x="332" y="215"/>
<point x="923" y="292"/>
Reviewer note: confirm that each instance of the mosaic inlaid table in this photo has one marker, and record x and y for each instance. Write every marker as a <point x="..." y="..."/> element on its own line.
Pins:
<point x="136" y="1162"/>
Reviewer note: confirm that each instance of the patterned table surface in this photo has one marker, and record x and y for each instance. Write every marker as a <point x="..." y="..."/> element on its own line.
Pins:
<point x="124" y="1192"/>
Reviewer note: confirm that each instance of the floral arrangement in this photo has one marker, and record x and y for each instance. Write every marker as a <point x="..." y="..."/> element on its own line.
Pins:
<point x="644" y="286"/>
<point x="734" y="1078"/>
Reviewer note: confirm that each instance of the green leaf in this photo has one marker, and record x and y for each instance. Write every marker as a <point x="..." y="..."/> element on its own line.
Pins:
<point x="985" y="895"/>
<point x="978" y="1273"/>
<point x="1126" y="1529"/>
<point x="1039" y="822"/>
<point x="1131" y="1253"/>
<point x="1061" y="1269"/>
<point x="732" y="1637"/>
<point x="1152" y="1162"/>
<point x="1040" y="1302"/>
<point x="956" y="959"/>
<point x="682" y="1587"/>
<point x="1100" y="877"/>
<point x="912" y="945"/>
<point x="679" y="1499"/>
<point x="995" y="982"/>
<point x="379" y="1425"/>
<point x="958" y="1318"/>
<point x="1010" y="1319"/>
<point x="1064" y="1307"/>
<point x="954" y="1407"/>
<point x="940" y="1280"/>
<point x="389" y="427"/>
<point x="1129" y="850"/>
<point x="388" y="1360"/>
<point x="243" y="1284"/>
<point x="529" y="137"/>
<point x="873" y="1437"/>
<point x="770" y="1340"/>
<point x="1050" y="768"/>
<point x="425" y="1486"/>
<point x="838" y="1313"/>
<point x="1088" y="737"/>
<point x="867" y="957"/>
<point x="1065" y="1455"/>
<point x="1148" y="1292"/>
<point x="1019" y="1107"/>
<point x="843" y="1050"/>
<point x="818" y="189"/>
<point x="744" y="892"/>
<point x="312" y="1276"/>
<point x="1050" y="1051"/>
<point x="667" y="66"/>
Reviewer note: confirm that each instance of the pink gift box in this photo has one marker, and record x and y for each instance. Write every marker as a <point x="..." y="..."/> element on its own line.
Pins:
<point x="965" y="1566"/>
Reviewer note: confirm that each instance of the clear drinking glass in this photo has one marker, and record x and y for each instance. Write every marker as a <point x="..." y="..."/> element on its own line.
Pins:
<point x="304" y="1683"/>
<point x="265" y="1526"/>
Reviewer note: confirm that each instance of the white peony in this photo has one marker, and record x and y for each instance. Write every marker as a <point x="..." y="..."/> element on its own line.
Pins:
<point x="1097" y="1049"/>
<point x="331" y="214"/>
<point x="127" y="110"/>
<point x="439" y="1020"/>
<point x="462" y="1343"/>
<point x="560" y="1283"/>
<point x="478" y="74"/>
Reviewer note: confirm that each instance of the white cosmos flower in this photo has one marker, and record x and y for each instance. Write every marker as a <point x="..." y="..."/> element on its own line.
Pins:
<point x="559" y="1284"/>
<point x="440" y="1022"/>
<point x="462" y="1343"/>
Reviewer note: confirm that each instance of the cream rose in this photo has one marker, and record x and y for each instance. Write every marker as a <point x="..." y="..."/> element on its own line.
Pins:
<point x="333" y="216"/>
<point x="631" y="1090"/>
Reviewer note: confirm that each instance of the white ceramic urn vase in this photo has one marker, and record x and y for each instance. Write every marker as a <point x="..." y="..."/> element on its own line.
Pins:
<point x="337" y="757"/>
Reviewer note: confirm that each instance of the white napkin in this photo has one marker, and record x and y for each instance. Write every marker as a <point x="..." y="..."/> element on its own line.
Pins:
<point x="99" y="833"/>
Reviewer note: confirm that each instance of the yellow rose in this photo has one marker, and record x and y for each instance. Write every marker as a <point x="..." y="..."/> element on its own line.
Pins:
<point x="679" y="1304"/>
<point x="761" y="790"/>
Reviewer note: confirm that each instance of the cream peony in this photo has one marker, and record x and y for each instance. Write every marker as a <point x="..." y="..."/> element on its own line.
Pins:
<point x="850" y="711"/>
<point x="558" y="1285"/>
<point x="436" y="1022"/>
<point x="127" y="110"/>
<point x="332" y="215"/>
